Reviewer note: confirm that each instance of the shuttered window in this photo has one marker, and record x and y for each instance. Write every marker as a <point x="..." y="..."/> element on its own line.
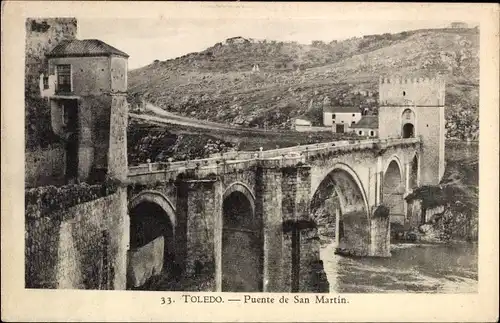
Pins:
<point x="64" y="78"/>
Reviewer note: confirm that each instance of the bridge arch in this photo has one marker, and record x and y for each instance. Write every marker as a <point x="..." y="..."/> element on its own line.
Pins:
<point x="393" y="189"/>
<point x="243" y="189"/>
<point x="339" y="208"/>
<point x="156" y="198"/>
<point x="394" y="158"/>
<point x="151" y="256"/>
<point x="242" y="244"/>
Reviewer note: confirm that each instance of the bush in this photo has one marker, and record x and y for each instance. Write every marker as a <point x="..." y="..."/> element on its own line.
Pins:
<point x="44" y="200"/>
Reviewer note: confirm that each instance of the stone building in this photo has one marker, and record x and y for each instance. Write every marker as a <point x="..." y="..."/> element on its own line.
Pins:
<point x="459" y="24"/>
<point x="86" y="83"/>
<point x="367" y="126"/>
<point x="302" y="124"/>
<point x="340" y="118"/>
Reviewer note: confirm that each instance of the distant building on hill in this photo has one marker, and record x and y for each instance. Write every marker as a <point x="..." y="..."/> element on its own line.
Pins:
<point x="459" y="24"/>
<point x="302" y="124"/>
<point x="367" y="126"/>
<point x="340" y="118"/>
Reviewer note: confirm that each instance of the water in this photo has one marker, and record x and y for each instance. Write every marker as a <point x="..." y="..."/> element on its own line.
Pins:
<point x="412" y="268"/>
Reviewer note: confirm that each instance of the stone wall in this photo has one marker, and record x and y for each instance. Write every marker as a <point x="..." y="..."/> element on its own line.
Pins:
<point x="81" y="247"/>
<point x="42" y="35"/>
<point x="44" y="167"/>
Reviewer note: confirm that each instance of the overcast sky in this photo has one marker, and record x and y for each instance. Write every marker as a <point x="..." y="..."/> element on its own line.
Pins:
<point x="147" y="39"/>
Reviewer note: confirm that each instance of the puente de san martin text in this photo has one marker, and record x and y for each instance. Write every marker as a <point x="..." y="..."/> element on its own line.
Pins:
<point x="239" y="221"/>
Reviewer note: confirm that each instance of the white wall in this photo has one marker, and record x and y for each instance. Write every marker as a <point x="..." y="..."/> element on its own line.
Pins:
<point x="343" y="117"/>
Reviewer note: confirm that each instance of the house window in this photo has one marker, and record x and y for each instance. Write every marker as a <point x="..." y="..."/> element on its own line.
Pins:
<point x="353" y="122"/>
<point x="333" y="116"/>
<point x="64" y="78"/>
<point x="372" y="133"/>
<point x="353" y="115"/>
<point x="45" y="82"/>
<point x="360" y="133"/>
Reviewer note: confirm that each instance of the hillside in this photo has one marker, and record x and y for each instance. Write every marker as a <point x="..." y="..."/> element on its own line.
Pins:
<point x="218" y="84"/>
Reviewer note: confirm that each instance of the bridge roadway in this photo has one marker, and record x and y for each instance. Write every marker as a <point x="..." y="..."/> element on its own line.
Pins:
<point x="289" y="156"/>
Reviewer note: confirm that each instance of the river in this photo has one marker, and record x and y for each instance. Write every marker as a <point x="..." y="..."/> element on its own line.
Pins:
<point x="419" y="268"/>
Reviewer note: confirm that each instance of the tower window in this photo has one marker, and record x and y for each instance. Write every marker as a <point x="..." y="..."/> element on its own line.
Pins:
<point x="64" y="78"/>
<point x="353" y="115"/>
<point x="333" y="116"/>
<point x="404" y="93"/>
<point x="372" y="133"/>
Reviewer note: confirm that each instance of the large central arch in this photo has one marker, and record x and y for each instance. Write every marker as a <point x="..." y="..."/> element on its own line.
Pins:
<point x="242" y="254"/>
<point x="340" y="211"/>
<point x="151" y="256"/>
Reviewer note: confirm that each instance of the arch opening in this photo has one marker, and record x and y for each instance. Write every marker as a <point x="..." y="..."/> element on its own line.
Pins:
<point x="242" y="254"/>
<point x="393" y="196"/>
<point x="338" y="208"/>
<point x="408" y="130"/>
<point x="408" y="124"/>
<point x="151" y="257"/>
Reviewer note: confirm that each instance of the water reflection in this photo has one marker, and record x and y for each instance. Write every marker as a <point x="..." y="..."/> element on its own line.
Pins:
<point x="412" y="268"/>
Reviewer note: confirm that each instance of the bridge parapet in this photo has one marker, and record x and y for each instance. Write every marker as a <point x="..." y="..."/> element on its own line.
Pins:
<point x="272" y="158"/>
<point x="375" y="145"/>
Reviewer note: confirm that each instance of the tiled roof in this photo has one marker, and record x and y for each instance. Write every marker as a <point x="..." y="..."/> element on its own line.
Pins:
<point x="86" y="47"/>
<point x="370" y="122"/>
<point x="341" y="109"/>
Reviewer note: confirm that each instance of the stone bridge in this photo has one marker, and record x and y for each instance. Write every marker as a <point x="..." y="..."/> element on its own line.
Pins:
<point x="252" y="221"/>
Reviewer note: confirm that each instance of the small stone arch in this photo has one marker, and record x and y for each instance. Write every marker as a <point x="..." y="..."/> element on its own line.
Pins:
<point x="396" y="159"/>
<point x="242" y="188"/>
<point x="157" y="198"/>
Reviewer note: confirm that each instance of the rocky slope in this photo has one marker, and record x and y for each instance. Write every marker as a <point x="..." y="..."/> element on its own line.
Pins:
<point x="219" y="83"/>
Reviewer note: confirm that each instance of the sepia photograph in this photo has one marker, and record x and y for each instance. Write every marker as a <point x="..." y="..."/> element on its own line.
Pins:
<point x="307" y="156"/>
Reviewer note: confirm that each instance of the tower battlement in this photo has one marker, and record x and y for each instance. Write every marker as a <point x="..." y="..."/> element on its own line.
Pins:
<point x="415" y="80"/>
<point x="412" y="91"/>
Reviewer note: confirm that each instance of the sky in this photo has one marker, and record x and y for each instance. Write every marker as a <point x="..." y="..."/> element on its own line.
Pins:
<point x="151" y="38"/>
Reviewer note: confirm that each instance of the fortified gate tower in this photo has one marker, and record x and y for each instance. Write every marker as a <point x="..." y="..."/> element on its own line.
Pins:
<point x="415" y="108"/>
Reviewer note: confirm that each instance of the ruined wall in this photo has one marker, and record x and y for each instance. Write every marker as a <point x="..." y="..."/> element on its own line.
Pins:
<point x="44" y="160"/>
<point x="45" y="167"/>
<point x="42" y="35"/>
<point x="81" y="247"/>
